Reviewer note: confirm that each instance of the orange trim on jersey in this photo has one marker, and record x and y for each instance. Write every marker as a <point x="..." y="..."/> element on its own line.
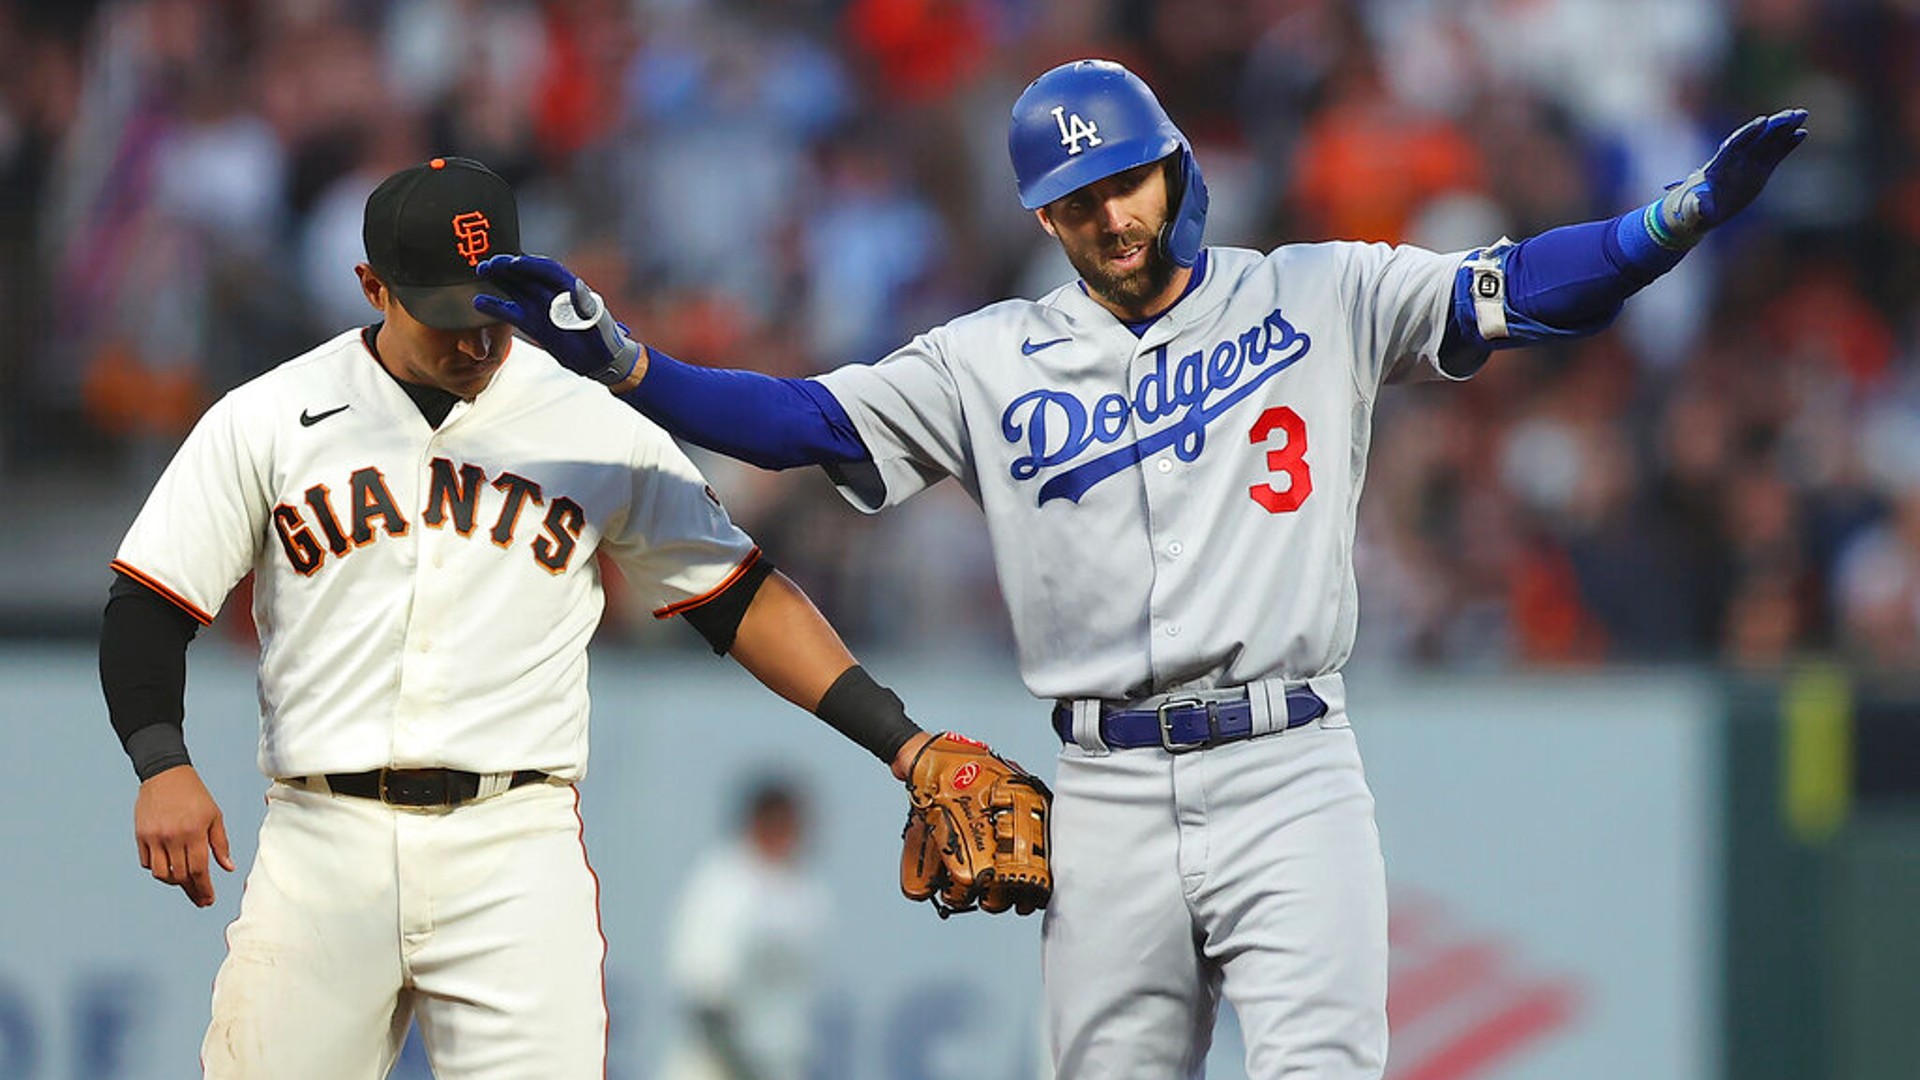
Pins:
<point x="175" y="598"/>
<point x="746" y="564"/>
<point x="599" y="925"/>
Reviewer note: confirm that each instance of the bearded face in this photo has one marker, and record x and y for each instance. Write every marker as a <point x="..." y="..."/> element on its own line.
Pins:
<point x="1110" y="232"/>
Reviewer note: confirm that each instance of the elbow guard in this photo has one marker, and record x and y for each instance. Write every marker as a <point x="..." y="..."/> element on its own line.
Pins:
<point x="1490" y="312"/>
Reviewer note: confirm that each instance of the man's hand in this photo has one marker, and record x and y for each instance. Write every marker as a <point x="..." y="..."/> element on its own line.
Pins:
<point x="1729" y="181"/>
<point x="547" y="302"/>
<point x="176" y="823"/>
<point x="903" y="761"/>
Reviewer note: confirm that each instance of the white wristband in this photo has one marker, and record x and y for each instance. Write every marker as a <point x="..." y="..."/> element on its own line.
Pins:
<point x="1489" y="285"/>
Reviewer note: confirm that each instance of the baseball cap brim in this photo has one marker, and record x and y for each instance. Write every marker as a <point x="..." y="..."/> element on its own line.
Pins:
<point x="443" y="307"/>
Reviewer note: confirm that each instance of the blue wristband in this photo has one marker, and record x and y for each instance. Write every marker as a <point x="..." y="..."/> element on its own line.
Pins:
<point x="1645" y="242"/>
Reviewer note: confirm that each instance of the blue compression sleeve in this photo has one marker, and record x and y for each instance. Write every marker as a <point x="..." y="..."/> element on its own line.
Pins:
<point x="762" y="420"/>
<point x="1568" y="282"/>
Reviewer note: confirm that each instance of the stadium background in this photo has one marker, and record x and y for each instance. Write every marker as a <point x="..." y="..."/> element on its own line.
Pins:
<point x="1642" y="614"/>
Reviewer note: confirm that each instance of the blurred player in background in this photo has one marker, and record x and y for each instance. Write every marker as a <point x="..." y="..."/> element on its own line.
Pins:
<point x="747" y="948"/>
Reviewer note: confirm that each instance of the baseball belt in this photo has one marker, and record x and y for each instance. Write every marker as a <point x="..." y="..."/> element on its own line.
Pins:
<point x="416" y="787"/>
<point x="1183" y="724"/>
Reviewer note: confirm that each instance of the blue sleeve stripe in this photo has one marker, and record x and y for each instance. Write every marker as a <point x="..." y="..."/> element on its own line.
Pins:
<point x="1642" y="242"/>
<point x="771" y="422"/>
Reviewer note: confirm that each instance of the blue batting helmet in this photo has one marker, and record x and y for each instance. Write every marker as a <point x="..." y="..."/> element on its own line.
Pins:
<point x="1089" y="119"/>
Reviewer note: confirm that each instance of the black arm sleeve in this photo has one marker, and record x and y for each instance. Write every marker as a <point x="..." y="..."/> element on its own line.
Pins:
<point x="143" y="671"/>
<point x="867" y="713"/>
<point x="718" y="620"/>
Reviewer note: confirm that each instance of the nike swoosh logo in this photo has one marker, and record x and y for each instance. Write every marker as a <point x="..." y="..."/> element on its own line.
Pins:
<point x="308" y="419"/>
<point x="1030" y="346"/>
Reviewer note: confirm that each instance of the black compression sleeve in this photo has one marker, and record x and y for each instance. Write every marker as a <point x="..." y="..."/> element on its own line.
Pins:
<point x="718" y="620"/>
<point x="143" y="671"/>
<point x="867" y="713"/>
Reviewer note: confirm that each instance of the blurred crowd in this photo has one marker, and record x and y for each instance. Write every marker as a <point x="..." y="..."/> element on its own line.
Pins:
<point x="1730" y="474"/>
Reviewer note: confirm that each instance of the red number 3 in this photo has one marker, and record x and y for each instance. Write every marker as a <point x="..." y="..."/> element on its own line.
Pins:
<point x="1290" y="459"/>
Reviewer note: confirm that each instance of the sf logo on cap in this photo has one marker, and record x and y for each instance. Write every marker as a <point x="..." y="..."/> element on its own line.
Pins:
<point x="470" y="229"/>
<point x="1072" y="131"/>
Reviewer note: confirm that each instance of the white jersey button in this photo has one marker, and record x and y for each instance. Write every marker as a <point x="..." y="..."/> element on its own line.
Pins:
<point x="1174" y="549"/>
<point x="1165" y="465"/>
<point x="1173" y="629"/>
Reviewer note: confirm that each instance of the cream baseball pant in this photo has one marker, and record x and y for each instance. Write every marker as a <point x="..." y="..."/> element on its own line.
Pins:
<point x="481" y="922"/>
<point x="1250" y="869"/>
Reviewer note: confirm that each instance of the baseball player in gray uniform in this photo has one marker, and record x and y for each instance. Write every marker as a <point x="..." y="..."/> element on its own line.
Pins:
<point x="420" y="504"/>
<point x="1169" y="452"/>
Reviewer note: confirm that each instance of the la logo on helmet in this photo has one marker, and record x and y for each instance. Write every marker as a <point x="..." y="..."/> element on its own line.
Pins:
<point x="1072" y="131"/>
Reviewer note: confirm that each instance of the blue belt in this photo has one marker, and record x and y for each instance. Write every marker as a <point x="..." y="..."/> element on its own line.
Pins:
<point x="1183" y="724"/>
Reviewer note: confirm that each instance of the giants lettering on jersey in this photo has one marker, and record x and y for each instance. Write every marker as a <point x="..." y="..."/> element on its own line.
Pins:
<point x="453" y="497"/>
<point x="1061" y="430"/>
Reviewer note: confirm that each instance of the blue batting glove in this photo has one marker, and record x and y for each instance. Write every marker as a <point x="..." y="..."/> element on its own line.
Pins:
<point x="548" y="303"/>
<point x="1724" y="186"/>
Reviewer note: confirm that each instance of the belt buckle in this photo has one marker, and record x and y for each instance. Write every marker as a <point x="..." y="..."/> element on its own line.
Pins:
<point x="417" y="778"/>
<point x="1166" y="724"/>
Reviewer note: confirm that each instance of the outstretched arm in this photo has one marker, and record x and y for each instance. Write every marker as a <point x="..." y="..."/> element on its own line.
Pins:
<point x="770" y="422"/>
<point x="976" y="835"/>
<point x="762" y="420"/>
<point x="784" y="641"/>
<point x="1572" y="281"/>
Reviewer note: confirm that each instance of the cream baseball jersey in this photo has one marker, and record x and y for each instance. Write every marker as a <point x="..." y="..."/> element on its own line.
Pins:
<point x="397" y="565"/>
<point x="1184" y="517"/>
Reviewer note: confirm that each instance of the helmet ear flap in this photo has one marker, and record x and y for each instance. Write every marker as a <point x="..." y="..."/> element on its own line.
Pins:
<point x="1180" y="238"/>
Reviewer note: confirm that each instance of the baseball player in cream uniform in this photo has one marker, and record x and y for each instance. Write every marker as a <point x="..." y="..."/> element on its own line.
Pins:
<point x="420" y="504"/>
<point x="1169" y="453"/>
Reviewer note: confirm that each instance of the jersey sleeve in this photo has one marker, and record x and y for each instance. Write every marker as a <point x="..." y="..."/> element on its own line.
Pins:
<point x="1401" y="298"/>
<point x="677" y="545"/>
<point x="907" y="410"/>
<point x="202" y="525"/>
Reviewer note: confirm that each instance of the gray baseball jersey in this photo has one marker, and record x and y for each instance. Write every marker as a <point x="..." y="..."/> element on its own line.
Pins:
<point x="1176" y="509"/>
<point x="1176" y="512"/>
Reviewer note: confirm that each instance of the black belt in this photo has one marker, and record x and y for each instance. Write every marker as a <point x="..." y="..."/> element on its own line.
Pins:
<point x="1183" y="724"/>
<point x="419" y="787"/>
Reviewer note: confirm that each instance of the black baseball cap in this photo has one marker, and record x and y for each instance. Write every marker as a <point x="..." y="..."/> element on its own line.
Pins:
<point x="426" y="229"/>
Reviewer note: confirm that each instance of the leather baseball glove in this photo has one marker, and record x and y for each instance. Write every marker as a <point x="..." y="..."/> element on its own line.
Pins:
<point x="976" y="832"/>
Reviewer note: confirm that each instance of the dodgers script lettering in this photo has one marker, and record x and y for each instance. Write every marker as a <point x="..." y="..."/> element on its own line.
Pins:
<point x="1059" y="429"/>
